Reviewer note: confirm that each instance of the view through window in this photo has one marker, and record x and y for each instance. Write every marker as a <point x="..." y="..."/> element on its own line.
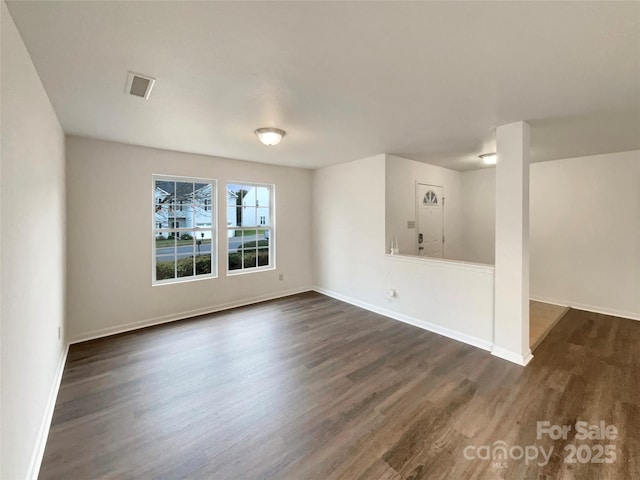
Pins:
<point x="184" y="229"/>
<point x="249" y="226"/>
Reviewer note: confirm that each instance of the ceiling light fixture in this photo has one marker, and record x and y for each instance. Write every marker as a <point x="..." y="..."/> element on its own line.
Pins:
<point x="489" y="158"/>
<point x="270" y="136"/>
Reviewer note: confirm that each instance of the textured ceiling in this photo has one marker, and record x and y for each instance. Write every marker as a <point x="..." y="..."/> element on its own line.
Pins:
<point x="423" y="80"/>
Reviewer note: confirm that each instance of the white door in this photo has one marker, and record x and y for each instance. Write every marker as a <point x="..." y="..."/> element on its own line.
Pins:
<point x="430" y="206"/>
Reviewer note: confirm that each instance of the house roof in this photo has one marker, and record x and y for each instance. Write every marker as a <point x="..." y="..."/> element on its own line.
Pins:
<point x="182" y="190"/>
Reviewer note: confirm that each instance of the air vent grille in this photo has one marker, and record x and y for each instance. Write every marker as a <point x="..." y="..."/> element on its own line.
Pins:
<point x="139" y="85"/>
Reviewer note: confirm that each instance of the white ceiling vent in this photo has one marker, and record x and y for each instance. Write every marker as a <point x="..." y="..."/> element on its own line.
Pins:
<point x="139" y="85"/>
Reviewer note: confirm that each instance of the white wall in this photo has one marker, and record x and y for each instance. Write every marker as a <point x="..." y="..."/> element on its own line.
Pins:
<point x="447" y="297"/>
<point x="348" y="228"/>
<point x="401" y="177"/>
<point x="109" y="237"/>
<point x="585" y="230"/>
<point x="350" y="262"/>
<point x="479" y="215"/>
<point x="32" y="255"/>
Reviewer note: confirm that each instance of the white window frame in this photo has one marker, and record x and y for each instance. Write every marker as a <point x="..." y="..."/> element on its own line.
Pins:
<point x="271" y="228"/>
<point x="211" y="229"/>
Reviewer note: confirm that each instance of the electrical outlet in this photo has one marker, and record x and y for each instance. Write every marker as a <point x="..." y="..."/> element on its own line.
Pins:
<point x="59" y="332"/>
<point x="281" y="276"/>
<point x="392" y="293"/>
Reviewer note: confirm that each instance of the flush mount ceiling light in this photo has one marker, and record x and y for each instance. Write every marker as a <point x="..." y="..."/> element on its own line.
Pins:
<point x="489" y="158"/>
<point x="270" y="136"/>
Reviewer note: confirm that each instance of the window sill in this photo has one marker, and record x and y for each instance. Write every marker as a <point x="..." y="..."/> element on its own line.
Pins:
<point x="233" y="273"/>
<point x="173" y="281"/>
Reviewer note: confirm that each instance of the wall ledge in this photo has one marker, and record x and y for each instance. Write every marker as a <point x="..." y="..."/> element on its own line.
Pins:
<point x="443" y="263"/>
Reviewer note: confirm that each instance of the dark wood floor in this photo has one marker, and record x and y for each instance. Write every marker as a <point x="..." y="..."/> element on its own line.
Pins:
<point x="308" y="387"/>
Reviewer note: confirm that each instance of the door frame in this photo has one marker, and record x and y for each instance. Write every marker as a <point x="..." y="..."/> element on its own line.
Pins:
<point x="417" y="214"/>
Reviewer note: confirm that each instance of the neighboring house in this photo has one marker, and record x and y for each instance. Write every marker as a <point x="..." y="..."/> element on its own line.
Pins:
<point x="185" y="208"/>
<point x="176" y="209"/>
<point x="251" y="211"/>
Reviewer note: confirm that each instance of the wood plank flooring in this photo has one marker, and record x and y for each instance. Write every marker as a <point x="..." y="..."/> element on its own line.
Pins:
<point x="542" y="318"/>
<point x="307" y="387"/>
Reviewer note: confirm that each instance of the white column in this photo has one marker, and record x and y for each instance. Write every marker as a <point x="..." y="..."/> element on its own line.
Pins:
<point x="511" y="321"/>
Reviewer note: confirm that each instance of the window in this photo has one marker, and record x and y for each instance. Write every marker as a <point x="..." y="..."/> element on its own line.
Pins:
<point x="184" y="235"/>
<point x="250" y="219"/>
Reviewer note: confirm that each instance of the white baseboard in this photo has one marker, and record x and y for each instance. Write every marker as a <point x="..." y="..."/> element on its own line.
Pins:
<point x="512" y="357"/>
<point x="127" y="327"/>
<point x="589" y="308"/>
<point x="45" y="425"/>
<point x="550" y="301"/>
<point x="446" y="332"/>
